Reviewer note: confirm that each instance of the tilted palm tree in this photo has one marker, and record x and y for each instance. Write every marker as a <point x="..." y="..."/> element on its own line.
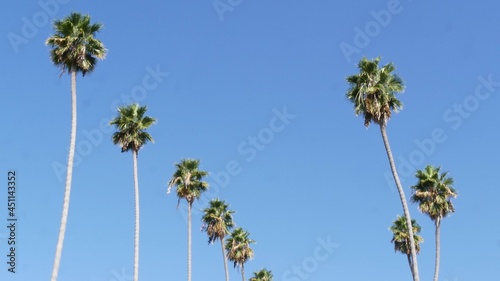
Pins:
<point x="74" y="49"/>
<point x="400" y="237"/>
<point x="432" y="193"/>
<point x="373" y="93"/>
<point x="190" y="185"/>
<point x="238" y="249"/>
<point x="262" y="275"/>
<point x="131" y="135"/>
<point x="217" y="221"/>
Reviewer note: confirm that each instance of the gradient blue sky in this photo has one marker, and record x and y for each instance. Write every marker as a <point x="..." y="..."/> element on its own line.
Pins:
<point x="257" y="92"/>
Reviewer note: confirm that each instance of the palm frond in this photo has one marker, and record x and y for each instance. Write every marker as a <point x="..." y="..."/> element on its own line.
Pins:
<point x="433" y="191"/>
<point x="189" y="180"/>
<point x="74" y="46"/>
<point x="373" y="91"/>
<point x="131" y="128"/>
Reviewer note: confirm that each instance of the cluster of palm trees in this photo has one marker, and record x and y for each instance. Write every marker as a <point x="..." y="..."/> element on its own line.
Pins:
<point x="432" y="193"/>
<point x="76" y="50"/>
<point x="217" y="220"/>
<point x="373" y="93"/>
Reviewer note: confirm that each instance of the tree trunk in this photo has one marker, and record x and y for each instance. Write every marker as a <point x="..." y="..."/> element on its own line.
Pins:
<point x="189" y="240"/>
<point x="69" y="176"/>
<point x="136" y="235"/>
<point x="242" y="272"/>
<point x="225" y="258"/>
<point x="438" y="248"/>
<point x="414" y="263"/>
<point x="409" y="262"/>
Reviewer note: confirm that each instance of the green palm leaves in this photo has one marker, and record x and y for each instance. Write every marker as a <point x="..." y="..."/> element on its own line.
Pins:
<point x="262" y="275"/>
<point x="74" y="47"/>
<point x="217" y="220"/>
<point x="188" y="179"/>
<point x="400" y="236"/>
<point x="131" y="125"/>
<point x="238" y="249"/>
<point x="238" y="246"/>
<point x="433" y="191"/>
<point x="373" y="91"/>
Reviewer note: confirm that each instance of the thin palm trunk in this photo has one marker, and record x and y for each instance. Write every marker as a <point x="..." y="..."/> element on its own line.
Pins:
<point x="438" y="248"/>
<point x="225" y="258"/>
<point x="136" y="235"/>
<point x="189" y="241"/>
<point x="414" y="264"/>
<point x="69" y="176"/>
<point x="242" y="272"/>
<point x="409" y="262"/>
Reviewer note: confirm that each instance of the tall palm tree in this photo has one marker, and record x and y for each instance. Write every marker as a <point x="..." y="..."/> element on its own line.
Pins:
<point x="400" y="237"/>
<point x="238" y="249"/>
<point x="373" y="93"/>
<point x="74" y="49"/>
<point x="217" y="221"/>
<point x="190" y="185"/>
<point x="432" y="193"/>
<point x="131" y="135"/>
<point x="262" y="275"/>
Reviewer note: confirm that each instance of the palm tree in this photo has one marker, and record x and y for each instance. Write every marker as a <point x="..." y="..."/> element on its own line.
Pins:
<point x="400" y="237"/>
<point x="373" y="93"/>
<point x="238" y="249"/>
<point x="74" y="49"/>
<point x="189" y="181"/>
<point x="432" y="193"/>
<point x="217" y="221"/>
<point x="131" y="135"/>
<point x="262" y="275"/>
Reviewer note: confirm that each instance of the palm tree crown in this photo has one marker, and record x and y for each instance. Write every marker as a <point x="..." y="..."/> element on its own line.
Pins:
<point x="217" y="220"/>
<point x="400" y="236"/>
<point x="238" y="247"/>
<point x="74" y="47"/>
<point x="131" y="124"/>
<point x="433" y="192"/>
<point x="262" y="275"/>
<point x="373" y="91"/>
<point x="188" y="179"/>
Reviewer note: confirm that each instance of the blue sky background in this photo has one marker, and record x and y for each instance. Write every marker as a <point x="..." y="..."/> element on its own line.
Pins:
<point x="220" y="80"/>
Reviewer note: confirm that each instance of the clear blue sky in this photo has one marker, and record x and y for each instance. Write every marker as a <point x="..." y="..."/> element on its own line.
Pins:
<point x="257" y="92"/>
